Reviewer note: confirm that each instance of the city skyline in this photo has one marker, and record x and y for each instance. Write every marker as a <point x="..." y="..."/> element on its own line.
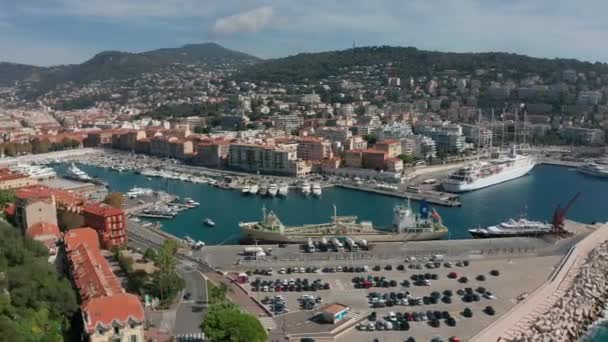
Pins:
<point x="69" y="31"/>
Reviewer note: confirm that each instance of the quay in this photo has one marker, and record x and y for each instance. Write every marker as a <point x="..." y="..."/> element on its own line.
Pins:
<point x="439" y="198"/>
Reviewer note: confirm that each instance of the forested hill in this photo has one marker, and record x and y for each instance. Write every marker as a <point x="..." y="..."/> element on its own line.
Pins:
<point x="119" y="65"/>
<point x="405" y="61"/>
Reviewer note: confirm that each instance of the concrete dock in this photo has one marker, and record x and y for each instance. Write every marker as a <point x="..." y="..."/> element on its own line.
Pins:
<point x="433" y="197"/>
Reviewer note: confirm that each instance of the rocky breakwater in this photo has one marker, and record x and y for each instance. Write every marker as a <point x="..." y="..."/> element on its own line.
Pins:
<point x="580" y="305"/>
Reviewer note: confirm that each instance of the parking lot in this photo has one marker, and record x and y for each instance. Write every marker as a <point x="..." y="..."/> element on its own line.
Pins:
<point x="431" y="296"/>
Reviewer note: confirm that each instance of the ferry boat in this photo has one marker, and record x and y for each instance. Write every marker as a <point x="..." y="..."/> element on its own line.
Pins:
<point x="407" y="226"/>
<point x="273" y="189"/>
<point x="254" y="189"/>
<point x="283" y="189"/>
<point x="208" y="222"/>
<point x="316" y="189"/>
<point x="513" y="228"/>
<point x="77" y="174"/>
<point x="482" y="174"/>
<point x="593" y="169"/>
<point x="305" y="187"/>
<point x="245" y="190"/>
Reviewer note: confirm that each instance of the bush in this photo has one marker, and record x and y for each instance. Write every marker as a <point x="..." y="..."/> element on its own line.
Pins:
<point x="225" y="322"/>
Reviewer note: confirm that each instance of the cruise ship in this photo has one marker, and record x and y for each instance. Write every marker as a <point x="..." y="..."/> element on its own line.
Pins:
<point x="512" y="228"/>
<point x="482" y="174"/>
<point x="407" y="226"/>
<point x="38" y="172"/>
<point x="593" y="169"/>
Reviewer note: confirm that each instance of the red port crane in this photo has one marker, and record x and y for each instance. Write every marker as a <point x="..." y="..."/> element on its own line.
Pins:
<point x="560" y="214"/>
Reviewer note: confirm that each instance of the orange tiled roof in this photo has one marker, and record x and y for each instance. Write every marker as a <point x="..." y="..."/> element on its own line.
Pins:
<point x="92" y="274"/>
<point x="78" y="236"/>
<point x="119" y="308"/>
<point x="40" y="191"/>
<point x="101" y="209"/>
<point x="335" y="308"/>
<point x="42" y="229"/>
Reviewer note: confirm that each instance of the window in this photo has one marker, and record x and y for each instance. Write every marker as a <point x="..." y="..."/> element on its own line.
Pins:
<point x="116" y="330"/>
<point x="133" y="338"/>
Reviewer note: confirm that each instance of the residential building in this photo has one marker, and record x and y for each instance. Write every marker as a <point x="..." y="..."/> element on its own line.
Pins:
<point x="108" y="312"/>
<point x="48" y="234"/>
<point x="584" y="136"/>
<point x="353" y="158"/>
<point x="397" y="130"/>
<point x="171" y="147"/>
<point x="334" y="134"/>
<point x="374" y="159"/>
<point x="408" y="145"/>
<point x="109" y="222"/>
<point x="313" y="148"/>
<point x="280" y="159"/>
<point x="394" y="165"/>
<point x="355" y="142"/>
<point x="287" y="123"/>
<point x="34" y="207"/>
<point x="212" y="153"/>
<point x="12" y="180"/>
<point x="474" y="132"/>
<point x="424" y="147"/>
<point x="392" y="147"/>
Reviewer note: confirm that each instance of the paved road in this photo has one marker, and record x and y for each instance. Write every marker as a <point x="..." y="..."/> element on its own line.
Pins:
<point x="190" y="311"/>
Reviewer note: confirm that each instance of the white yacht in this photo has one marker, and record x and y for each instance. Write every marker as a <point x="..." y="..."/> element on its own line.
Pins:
<point x="283" y="189"/>
<point x="305" y="187"/>
<point x="135" y="192"/>
<point x="316" y="189"/>
<point x="593" y="169"/>
<point x="245" y="190"/>
<point x="273" y="189"/>
<point x="511" y="228"/>
<point x="208" y="222"/>
<point x="254" y="189"/>
<point x="482" y="174"/>
<point x="38" y="172"/>
<point x="75" y="173"/>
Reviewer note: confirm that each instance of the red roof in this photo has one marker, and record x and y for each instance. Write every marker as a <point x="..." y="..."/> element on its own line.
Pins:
<point x="78" y="236"/>
<point x="335" y="308"/>
<point x="104" y="210"/>
<point x="40" y="191"/>
<point x="92" y="274"/>
<point x="12" y="176"/>
<point x="42" y="229"/>
<point x="119" y="308"/>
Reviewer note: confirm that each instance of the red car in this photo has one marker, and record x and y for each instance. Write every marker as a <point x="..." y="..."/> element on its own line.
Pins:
<point x="454" y="339"/>
<point x="452" y="275"/>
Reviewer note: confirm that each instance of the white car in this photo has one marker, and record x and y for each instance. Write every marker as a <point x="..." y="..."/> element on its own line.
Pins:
<point x="282" y="270"/>
<point x="388" y="325"/>
<point x="392" y="316"/>
<point x="339" y="269"/>
<point x="302" y="270"/>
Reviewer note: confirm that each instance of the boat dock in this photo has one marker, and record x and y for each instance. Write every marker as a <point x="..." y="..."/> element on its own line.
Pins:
<point x="438" y="198"/>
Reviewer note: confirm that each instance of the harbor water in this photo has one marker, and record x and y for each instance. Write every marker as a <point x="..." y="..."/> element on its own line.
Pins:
<point x="536" y="194"/>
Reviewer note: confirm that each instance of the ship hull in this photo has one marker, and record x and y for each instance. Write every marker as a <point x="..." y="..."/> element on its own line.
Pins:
<point x="276" y="237"/>
<point x="593" y="173"/>
<point x="481" y="235"/>
<point x="481" y="183"/>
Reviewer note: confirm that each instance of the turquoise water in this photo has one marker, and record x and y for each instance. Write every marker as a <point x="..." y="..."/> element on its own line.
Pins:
<point x="598" y="334"/>
<point x="540" y="192"/>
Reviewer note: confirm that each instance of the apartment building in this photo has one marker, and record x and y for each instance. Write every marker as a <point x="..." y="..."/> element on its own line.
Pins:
<point x="280" y="159"/>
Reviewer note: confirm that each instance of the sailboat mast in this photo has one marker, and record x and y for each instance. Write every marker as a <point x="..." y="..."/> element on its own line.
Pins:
<point x="478" y="134"/>
<point x="525" y="127"/>
<point x="492" y="132"/>
<point x="515" y="128"/>
<point x="502" y="142"/>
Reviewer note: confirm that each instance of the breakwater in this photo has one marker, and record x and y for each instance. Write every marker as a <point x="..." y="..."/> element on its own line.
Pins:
<point x="579" y="307"/>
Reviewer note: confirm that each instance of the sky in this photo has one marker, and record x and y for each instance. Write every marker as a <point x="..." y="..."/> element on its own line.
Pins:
<point x="52" y="32"/>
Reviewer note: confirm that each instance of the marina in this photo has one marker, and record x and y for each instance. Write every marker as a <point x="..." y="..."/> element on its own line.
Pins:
<point x="540" y="191"/>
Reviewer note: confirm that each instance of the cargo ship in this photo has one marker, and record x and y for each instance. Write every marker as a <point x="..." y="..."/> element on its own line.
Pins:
<point x="407" y="226"/>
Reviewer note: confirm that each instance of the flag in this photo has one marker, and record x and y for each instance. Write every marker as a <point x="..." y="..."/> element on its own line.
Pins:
<point x="424" y="209"/>
<point x="435" y="215"/>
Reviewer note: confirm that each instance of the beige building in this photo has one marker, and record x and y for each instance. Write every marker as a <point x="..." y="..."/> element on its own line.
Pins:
<point x="311" y="148"/>
<point x="33" y="210"/>
<point x="391" y="147"/>
<point x="278" y="159"/>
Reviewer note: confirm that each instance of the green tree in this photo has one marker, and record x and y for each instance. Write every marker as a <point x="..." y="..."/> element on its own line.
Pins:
<point x="114" y="199"/>
<point x="225" y="322"/>
<point x="150" y="254"/>
<point x="406" y="158"/>
<point x="217" y="294"/>
<point x="6" y="197"/>
<point x="370" y="138"/>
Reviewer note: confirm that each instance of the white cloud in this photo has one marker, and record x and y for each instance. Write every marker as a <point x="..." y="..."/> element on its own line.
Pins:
<point x="245" y="22"/>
